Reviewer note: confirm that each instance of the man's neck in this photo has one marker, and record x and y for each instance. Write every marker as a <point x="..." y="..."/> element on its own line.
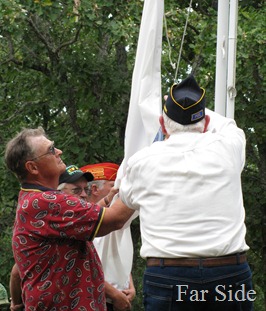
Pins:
<point x="34" y="187"/>
<point x="51" y="184"/>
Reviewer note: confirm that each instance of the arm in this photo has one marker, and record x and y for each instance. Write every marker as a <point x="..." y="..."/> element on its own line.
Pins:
<point x="221" y="124"/>
<point x="130" y="292"/>
<point x="228" y="130"/>
<point x="114" y="217"/>
<point x="120" y="300"/>
<point x="15" y="290"/>
<point x="106" y="201"/>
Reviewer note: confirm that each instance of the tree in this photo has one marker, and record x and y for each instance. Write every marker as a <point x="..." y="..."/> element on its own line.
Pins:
<point x="67" y="66"/>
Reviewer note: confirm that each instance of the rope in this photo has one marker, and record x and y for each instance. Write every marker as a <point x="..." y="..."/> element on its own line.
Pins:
<point x="169" y="45"/>
<point x="182" y="42"/>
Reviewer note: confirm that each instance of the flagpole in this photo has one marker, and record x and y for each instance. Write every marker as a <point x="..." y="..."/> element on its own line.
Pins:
<point x="221" y="57"/>
<point x="231" y="76"/>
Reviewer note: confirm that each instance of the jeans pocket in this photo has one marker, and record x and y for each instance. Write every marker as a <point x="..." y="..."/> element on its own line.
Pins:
<point x="238" y="294"/>
<point x="244" y="279"/>
<point x="244" y="293"/>
<point x="157" y="296"/>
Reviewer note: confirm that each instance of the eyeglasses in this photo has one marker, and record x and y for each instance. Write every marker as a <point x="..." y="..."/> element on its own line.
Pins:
<point x="51" y="151"/>
<point x="78" y="191"/>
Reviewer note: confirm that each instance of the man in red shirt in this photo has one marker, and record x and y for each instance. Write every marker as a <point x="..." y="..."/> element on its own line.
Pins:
<point x="59" y="269"/>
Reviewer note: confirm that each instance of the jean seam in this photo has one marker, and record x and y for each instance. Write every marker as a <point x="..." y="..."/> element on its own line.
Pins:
<point x="200" y="281"/>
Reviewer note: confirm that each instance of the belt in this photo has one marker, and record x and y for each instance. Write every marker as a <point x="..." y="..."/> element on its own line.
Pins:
<point x="235" y="259"/>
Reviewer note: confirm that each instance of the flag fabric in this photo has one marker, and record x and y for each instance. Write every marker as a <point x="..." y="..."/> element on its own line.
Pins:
<point x="146" y="100"/>
<point x="142" y="129"/>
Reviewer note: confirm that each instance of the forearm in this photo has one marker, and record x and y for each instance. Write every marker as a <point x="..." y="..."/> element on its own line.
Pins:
<point x="15" y="289"/>
<point x="114" y="217"/>
<point x="110" y="291"/>
<point x="106" y="201"/>
<point x="131" y="283"/>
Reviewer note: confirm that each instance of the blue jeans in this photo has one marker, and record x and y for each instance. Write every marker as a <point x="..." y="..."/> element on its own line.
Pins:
<point x="224" y="288"/>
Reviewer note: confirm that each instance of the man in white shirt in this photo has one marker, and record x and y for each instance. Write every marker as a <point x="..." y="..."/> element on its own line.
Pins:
<point x="187" y="190"/>
<point x="115" y="249"/>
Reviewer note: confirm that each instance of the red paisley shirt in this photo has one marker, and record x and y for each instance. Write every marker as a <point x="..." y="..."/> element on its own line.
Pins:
<point x="52" y="245"/>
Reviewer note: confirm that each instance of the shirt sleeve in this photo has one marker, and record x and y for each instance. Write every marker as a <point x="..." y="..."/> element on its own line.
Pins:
<point x="228" y="130"/>
<point x="126" y="188"/>
<point x="54" y="214"/>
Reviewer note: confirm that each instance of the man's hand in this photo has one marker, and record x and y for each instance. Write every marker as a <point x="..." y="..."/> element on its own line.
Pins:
<point x="14" y="307"/>
<point x="121" y="302"/>
<point x="130" y="293"/>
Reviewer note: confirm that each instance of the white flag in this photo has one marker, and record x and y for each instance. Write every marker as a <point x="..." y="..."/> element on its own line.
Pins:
<point x="146" y="100"/>
<point x="143" y="125"/>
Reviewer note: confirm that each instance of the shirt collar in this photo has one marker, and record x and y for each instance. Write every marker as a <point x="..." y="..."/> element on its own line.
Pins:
<point x="28" y="187"/>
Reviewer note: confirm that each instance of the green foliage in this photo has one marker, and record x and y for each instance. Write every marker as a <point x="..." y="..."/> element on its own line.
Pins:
<point x="69" y="70"/>
<point x="138" y="265"/>
<point x="56" y="74"/>
<point x="251" y="116"/>
<point x="6" y="255"/>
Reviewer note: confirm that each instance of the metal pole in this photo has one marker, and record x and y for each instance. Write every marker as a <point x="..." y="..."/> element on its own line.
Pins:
<point x="231" y="66"/>
<point x="221" y="57"/>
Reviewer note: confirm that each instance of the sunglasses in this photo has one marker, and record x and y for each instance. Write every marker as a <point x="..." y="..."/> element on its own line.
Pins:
<point x="51" y="150"/>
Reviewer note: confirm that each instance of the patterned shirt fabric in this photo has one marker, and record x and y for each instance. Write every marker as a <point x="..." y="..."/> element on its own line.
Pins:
<point x="52" y="245"/>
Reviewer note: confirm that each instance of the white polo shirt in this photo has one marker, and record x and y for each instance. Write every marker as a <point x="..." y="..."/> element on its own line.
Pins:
<point x="187" y="190"/>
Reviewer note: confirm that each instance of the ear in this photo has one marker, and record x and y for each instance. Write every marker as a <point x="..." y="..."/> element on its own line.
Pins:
<point x="31" y="167"/>
<point x="94" y="189"/>
<point x="161" y="120"/>
<point x="207" y="121"/>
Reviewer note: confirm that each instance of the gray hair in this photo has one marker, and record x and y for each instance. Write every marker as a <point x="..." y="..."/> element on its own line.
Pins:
<point x="173" y="127"/>
<point x="98" y="183"/>
<point x="61" y="186"/>
<point x="19" y="150"/>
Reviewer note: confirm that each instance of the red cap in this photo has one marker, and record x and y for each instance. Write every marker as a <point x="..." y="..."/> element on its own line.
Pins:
<point x="101" y="171"/>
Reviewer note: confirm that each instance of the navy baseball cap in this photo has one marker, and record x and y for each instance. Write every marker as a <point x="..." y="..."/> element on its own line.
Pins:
<point x="72" y="174"/>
